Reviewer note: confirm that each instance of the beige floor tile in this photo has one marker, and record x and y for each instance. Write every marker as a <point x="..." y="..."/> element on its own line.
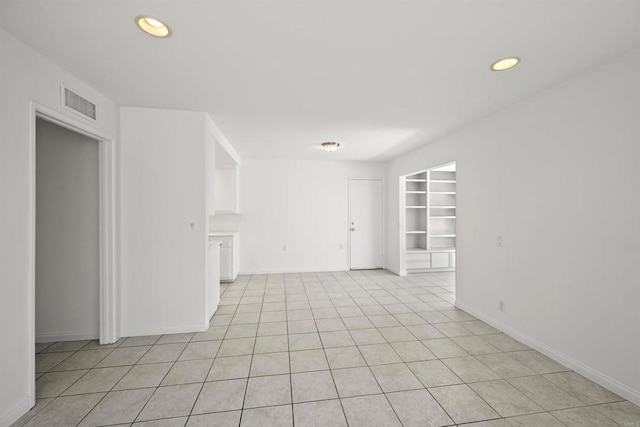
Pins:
<point x="475" y="345"/>
<point x="118" y="407"/>
<point x="220" y="419"/>
<point x="379" y="354"/>
<point x="462" y="404"/>
<point x="621" y="412"/>
<point x="309" y="386"/>
<point x="319" y="414"/>
<point x="535" y="420"/>
<point x="580" y="387"/>
<point x="273" y="416"/>
<point x="344" y="357"/>
<point x="187" y="372"/>
<point x="309" y="341"/>
<point x="412" y="351"/>
<point x="308" y="360"/>
<point x="97" y="380"/>
<point x="469" y="369"/>
<point x="396" y="377"/>
<point x="355" y="382"/>
<point x="505" y="398"/>
<point x="235" y="347"/>
<point x="583" y="417"/>
<point x="268" y="391"/>
<point x="433" y="373"/>
<point x="537" y="362"/>
<point x="227" y="368"/>
<point x="336" y="339"/>
<point x="417" y="408"/>
<point x="171" y="401"/>
<point x="271" y="344"/>
<point x="269" y="364"/>
<point x="425" y="332"/>
<point x="123" y="356"/>
<point x="503" y="365"/>
<point x="221" y="396"/>
<point x="82" y="360"/>
<point x="444" y="348"/>
<point x="545" y="393"/>
<point x="367" y="336"/>
<point x="65" y="411"/>
<point x="53" y="384"/>
<point x="198" y="350"/>
<point x="141" y="376"/>
<point x="369" y="411"/>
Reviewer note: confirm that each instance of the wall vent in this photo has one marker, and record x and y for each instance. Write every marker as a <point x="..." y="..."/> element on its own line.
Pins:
<point x="73" y="102"/>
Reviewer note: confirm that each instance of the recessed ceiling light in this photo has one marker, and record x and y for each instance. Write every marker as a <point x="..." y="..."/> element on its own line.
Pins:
<point x="505" y="63"/>
<point x="330" y="146"/>
<point x="153" y="26"/>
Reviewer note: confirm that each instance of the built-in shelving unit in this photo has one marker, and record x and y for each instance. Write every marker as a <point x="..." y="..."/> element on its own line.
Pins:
<point x="428" y="233"/>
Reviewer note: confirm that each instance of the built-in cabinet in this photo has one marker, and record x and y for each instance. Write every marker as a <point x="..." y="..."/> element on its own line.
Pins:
<point x="227" y="189"/>
<point x="428" y="220"/>
<point x="229" y="255"/>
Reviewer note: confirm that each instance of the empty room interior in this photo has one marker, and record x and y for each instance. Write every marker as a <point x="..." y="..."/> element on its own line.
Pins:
<point x="320" y="213"/>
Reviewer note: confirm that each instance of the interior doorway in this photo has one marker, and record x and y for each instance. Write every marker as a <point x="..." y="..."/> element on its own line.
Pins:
<point x="67" y="235"/>
<point x="365" y="224"/>
<point x="109" y="324"/>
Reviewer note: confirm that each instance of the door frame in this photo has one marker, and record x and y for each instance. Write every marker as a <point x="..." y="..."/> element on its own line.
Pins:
<point x="108" y="222"/>
<point x="349" y="219"/>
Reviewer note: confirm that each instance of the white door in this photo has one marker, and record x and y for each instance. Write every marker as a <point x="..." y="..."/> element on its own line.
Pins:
<point x="365" y="224"/>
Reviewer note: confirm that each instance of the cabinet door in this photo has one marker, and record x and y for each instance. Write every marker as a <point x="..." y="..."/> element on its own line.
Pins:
<point x="226" y="264"/>
<point x="440" y="260"/>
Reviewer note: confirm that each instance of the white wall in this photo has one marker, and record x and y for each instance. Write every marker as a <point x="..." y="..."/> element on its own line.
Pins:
<point x="302" y="205"/>
<point x="25" y="75"/>
<point x="557" y="175"/>
<point x="163" y="172"/>
<point x="67" y="235"/>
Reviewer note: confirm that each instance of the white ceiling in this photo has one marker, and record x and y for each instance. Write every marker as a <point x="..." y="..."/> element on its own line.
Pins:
<point x="279" y="77"/>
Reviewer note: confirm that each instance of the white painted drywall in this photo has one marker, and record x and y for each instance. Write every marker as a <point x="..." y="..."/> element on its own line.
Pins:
<point x="163" y="176"/>
<point x="67" y="235"/>
<point x="25" y="75"/>
<point x="557" y="176"/>
<point x="303" y="205"/>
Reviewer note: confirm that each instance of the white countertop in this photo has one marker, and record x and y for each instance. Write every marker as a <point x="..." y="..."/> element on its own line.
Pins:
<point x="223" y="233"/>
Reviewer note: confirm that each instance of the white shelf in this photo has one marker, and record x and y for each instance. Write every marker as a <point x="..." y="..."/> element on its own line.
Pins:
<point x="443" y="235"/>
<point x="442" y="216"/>
<point x="417" y="232"/>
<point x="444" y="181"/>
<point x="441" y="207"/>
<point x="416" y="207"/>
<point x="416" y="192"/>
<point x="442" y="192"/>
<point x="416" y="180"/>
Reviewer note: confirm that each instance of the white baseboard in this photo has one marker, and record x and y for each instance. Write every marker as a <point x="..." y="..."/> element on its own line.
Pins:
<point x="596" y="376"/>
<point x="66" y="336"/>
<point x="293" y="270"/>
<point x="14" y="414"/>
<point x="161" y="330"/>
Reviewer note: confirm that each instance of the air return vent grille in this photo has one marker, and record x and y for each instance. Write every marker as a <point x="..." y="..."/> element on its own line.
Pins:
<point x="79" y="105"/>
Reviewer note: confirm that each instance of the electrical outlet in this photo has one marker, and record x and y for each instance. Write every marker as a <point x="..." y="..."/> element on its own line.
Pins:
<point x="501" y="306"/>
<point x="341" y="246"/>
<point x="499" y="241"/>
<point x="284" y="248"/>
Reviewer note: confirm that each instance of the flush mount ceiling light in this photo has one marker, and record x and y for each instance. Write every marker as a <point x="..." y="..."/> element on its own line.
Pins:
<point x="153" y="26"/>
<point x="505" y="63"/>
<point x="330" y="146"/>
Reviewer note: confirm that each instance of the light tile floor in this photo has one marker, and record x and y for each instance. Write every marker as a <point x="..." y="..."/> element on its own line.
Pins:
<point x="363" y="348"/>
